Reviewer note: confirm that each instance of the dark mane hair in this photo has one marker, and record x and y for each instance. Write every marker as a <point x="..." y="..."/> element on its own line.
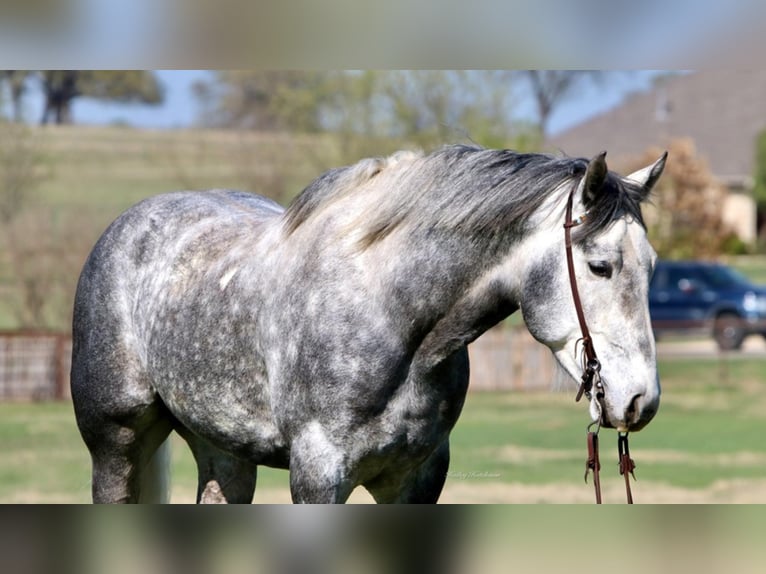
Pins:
<point x="481" y="192"/>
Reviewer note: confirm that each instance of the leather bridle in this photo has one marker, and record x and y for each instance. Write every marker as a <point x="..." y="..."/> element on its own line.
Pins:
<point x="591" y="367"/>
<point x="591" y="364"/>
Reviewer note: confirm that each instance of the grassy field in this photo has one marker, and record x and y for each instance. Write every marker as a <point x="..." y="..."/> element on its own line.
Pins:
<point x="706" y="445"/>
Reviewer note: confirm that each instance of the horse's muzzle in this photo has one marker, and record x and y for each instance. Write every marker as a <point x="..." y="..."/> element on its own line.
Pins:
<point x="635" y="416"/>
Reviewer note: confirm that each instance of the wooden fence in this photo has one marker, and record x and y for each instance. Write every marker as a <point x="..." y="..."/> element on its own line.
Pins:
<point x="510" y="359"/>
<point x="35" y="366"/>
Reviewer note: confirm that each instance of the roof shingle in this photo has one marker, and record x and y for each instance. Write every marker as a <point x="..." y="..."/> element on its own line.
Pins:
<point x="723" y="111"/>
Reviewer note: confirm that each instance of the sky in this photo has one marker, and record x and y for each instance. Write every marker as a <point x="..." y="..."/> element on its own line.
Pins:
<point x="180" y="108"/>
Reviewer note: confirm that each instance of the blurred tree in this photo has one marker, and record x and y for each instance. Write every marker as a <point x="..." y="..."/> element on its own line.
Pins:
<point x="686" y="221"/>
<point x="422" y="107"/>
<point x="21" y="171"/>
<point x="16" y="81"/>
<point x="432" y="107"/>
<point x="264" y="99"/>
<point x="549" y="88"/>
<point x="61" y="87"/>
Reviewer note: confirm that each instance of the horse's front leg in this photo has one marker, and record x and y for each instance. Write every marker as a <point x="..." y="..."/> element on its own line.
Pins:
<point x="318" y="473"/>
<point x="423" y="485"/>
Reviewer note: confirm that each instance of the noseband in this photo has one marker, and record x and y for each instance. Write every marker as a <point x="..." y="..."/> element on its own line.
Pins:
<point x="592" y="370"/>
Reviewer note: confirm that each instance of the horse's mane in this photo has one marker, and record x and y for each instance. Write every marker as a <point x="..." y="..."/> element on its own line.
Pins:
<point x="336" y="182"/>
<point x="479" y="191"/>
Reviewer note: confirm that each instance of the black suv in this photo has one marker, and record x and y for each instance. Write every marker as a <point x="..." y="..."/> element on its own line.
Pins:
<point x="691" y="295"/>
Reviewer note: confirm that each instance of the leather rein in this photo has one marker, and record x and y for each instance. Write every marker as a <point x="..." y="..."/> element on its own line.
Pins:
<point x="592" y="371"/>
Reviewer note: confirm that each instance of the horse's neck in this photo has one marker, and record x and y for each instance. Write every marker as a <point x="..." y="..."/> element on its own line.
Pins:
<point x="453" y="290"/>
<point x="477" y="285"/>
<point x="478" y="309"/>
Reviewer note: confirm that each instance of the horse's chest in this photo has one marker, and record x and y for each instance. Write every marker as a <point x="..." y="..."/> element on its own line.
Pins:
<point x="418" y="421"/>
<point x="428" y="422"/>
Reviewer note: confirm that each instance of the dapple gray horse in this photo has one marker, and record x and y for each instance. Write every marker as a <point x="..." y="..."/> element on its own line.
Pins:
<point x="330" y="338"/>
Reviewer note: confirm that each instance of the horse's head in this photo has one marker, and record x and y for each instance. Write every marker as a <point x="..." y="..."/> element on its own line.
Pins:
<point x="613" y="264"/>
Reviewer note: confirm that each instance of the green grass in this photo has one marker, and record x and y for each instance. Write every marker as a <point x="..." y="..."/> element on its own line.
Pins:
<point x="707" y="431"/>
<point x="753" y="266"/>
<point x="105" y="170"/>
<point x="703" y="423"/>
<point x="114" y="167"/>
<point x="41" y="458"/>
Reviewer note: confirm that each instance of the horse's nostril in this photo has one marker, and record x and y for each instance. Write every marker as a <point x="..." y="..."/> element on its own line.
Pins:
<point x="634" y="408"/>
<point x="640" y="411"/>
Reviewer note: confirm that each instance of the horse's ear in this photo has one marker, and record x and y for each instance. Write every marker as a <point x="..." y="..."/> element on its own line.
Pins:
<point x="595" y="175"/>
<point x="649" y="175"/>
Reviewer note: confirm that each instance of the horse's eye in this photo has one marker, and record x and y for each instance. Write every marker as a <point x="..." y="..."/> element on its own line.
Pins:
<point x="601" y="268"/>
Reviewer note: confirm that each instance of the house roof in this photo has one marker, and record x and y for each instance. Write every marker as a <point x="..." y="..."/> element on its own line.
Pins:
<point x="723" y="111"/>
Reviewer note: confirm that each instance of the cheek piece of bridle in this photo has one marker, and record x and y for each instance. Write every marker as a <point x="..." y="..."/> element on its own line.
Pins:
<point x="592" y="372"/>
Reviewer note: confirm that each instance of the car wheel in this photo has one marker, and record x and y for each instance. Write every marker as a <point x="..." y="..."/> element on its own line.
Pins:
<point x="728" y="331"/>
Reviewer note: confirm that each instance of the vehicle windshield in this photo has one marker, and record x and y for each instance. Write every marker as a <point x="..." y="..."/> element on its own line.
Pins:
<point x="721" y="277"/>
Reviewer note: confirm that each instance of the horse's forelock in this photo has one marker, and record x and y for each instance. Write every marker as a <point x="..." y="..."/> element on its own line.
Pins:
<point x="618" y="198"/>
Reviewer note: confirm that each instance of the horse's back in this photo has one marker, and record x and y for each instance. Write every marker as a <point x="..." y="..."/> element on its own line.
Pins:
<point x="145" y="238"/>
<point x="146" y="231"/>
